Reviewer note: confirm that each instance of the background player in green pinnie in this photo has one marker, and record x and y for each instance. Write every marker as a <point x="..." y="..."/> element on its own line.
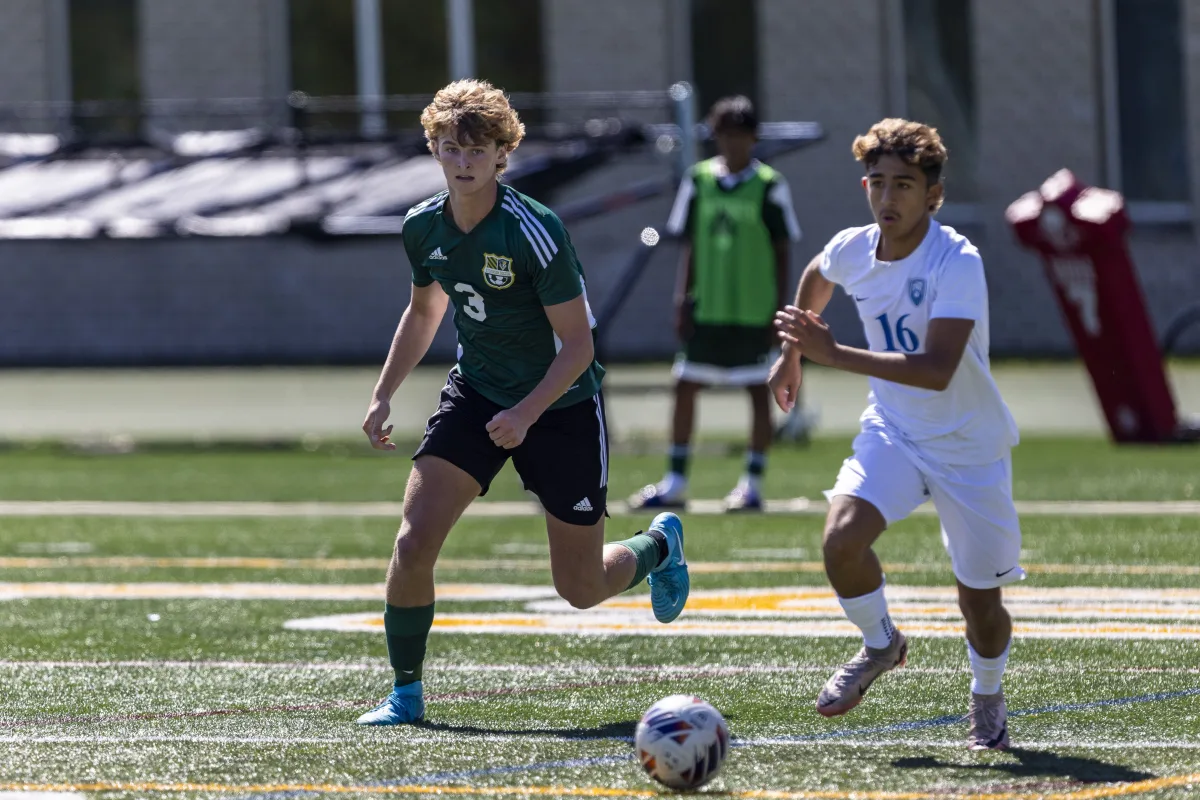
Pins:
<point x="526" y="386"/>
<point x="735" y="214"/>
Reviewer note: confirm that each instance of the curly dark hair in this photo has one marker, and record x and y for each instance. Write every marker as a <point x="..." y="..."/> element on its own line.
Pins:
<point x="914" y="143"/>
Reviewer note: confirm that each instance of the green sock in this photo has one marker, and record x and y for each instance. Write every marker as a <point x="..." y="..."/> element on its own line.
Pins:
<point x="407" y="631"/>
<point x="645" y="549"/>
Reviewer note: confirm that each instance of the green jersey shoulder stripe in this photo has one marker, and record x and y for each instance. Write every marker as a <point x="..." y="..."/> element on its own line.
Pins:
<point x="432" y="204"/>
<point x="539" y="238"/>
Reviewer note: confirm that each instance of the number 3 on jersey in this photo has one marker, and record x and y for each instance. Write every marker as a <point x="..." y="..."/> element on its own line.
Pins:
<point x="474" y="307"/>
<point x="908" y="340"/>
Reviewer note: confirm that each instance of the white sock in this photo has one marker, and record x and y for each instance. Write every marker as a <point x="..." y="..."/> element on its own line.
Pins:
<point x="673" y="485"/>
<point x="986" y="672"/>
<point x="751" y="482"/>
<point x="870" y="613"/>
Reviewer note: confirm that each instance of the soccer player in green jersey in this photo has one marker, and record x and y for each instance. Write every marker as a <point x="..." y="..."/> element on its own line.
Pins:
<point x="736" y="214"/>
<point x="526" y="386"/>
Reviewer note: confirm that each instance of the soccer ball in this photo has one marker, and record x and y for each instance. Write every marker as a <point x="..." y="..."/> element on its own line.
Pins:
<point x="682" y="741"/>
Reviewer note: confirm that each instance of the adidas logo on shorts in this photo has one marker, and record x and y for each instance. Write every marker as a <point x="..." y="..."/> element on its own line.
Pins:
<point x="437" y="255"/>
<point x="584" y="505"/>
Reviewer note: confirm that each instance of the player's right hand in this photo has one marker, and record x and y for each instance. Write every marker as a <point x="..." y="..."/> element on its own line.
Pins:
<point x="784" y="380"/>
<point x="377" y="435"/>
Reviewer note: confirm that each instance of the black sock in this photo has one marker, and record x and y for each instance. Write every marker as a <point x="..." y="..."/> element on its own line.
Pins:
<point x="661" y="539"/>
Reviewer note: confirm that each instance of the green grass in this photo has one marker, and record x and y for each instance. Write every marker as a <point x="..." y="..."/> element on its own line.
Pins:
<point x="172" y="691"/>
<point x="1044" y="469"/>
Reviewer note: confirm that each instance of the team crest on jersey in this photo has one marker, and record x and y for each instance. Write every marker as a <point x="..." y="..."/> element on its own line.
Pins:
<point x="498" y="271"/>
<point x="916" y="290"/>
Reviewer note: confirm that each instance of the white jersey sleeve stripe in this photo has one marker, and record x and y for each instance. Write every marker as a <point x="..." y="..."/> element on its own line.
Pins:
<point x="534" y="223"/>
<point x="538" y="249"/>
<point x="781" y="196"/>
<point x="432" y="204"/>
<point x="679" y="212"/>
<point x="539" y="241"/>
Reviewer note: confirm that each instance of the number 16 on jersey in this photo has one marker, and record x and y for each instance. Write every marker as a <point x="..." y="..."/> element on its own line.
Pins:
<point x="907" y="339"/>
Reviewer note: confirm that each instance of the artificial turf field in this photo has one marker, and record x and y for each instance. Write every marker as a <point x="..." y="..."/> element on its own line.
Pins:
<point x="221" y="642"/>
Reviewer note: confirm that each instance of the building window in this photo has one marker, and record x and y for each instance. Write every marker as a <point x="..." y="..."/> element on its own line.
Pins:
<point x="939" y="88"/>
<point x="724" y="50"/>
<point x="1150" y="139"/>
<point x="321" y="43"/>
<point x="416" y="53"/>
<point x="106" y="84"/>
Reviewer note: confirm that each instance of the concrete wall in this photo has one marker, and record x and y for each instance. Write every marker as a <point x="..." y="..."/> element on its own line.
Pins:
<point x="33" y="63"/>
<point x="214" y="50"/>
<point x="605" y="46"/>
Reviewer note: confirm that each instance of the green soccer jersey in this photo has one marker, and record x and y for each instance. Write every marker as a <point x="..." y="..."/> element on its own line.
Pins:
<point x="499" y="277"/>
<point x="732" y="222"/>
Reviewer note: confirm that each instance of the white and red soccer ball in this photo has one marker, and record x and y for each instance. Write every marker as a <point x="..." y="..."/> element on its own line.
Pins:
<point x="682" y="742"/>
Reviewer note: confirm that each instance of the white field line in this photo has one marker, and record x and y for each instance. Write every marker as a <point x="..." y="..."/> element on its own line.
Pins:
<point x="258" y="591"/>
<point x="799" y="505"/>
<point x="493" y="565"/>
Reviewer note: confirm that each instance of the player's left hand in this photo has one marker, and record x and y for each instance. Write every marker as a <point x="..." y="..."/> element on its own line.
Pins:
<point x="809" y="332"/>
<point x="508" y="428"/>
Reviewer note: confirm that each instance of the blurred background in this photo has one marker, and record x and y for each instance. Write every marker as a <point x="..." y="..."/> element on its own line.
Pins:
<point x="217" y="185"/>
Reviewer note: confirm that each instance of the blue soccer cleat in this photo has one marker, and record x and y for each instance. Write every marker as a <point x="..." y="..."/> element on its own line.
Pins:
<point x="405" y="705"/>
<point x="669" y="581"/>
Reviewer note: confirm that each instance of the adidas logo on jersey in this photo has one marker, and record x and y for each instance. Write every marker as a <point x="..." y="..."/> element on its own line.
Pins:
<point x="584" y="505"/>
<point x="437" y="255"/>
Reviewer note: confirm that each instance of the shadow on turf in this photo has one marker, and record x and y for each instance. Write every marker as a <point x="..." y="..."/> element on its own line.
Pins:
<point x="1039" y="763"/>
<point x="612" y="730"/>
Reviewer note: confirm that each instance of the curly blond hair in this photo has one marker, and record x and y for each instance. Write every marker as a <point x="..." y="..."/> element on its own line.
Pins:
<point x="914" y="143"/>
<point x="473" y="112"/>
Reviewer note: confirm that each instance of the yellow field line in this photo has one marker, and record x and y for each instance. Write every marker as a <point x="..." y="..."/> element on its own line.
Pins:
<point x="1091" y="793"/>
<point x="528" y="564"/>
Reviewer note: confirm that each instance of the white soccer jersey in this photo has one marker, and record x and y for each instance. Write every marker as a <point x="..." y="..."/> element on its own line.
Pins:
<point x="968" y="422"/>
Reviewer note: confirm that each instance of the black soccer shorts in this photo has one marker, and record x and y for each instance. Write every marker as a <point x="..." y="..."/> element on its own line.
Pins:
<point x="563" y="460"/>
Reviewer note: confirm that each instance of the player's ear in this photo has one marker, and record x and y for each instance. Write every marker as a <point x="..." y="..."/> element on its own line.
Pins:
<point x="502" y="157"/>
<point x="934" y="196"/>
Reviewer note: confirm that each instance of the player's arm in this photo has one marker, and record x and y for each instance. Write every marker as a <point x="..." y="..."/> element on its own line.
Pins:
<point x="813" y="293"/>
<point x="684" y="280"/>
<point x="414" y="335"/>
<point x="946" y="340"/>
<point x="680" y="224"/>
<point x="779" y="216"/>
<point x="570" y="323"/>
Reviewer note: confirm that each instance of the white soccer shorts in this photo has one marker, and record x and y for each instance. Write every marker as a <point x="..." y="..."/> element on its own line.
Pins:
<point x="974" y="503"/>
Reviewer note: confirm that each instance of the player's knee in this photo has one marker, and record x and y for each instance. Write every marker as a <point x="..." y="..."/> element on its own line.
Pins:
<point x="850" y="530"/>
<point x="982" y="611"/>
<point x="577" y="595"/>
<point x="412" y="551"/>
<point x="842" y="546"/>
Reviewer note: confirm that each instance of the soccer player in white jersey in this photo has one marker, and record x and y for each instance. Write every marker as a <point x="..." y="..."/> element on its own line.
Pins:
<point x="935" y="427"/>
